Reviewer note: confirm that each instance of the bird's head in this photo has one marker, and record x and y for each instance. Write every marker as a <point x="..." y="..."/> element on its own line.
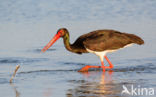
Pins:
<point x="60" y="33"/>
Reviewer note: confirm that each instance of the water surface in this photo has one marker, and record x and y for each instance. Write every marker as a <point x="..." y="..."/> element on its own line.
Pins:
<point x="27" y="25"/>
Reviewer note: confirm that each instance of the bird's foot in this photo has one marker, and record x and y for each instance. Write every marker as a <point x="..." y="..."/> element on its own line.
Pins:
<point x="85" y="68"/>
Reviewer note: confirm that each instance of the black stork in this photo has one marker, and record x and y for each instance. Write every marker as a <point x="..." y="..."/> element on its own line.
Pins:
<point x="98" y="42"/>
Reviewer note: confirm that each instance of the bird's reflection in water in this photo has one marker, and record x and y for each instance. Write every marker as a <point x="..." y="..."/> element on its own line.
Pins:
<point x="47" y="92"/>
<point x="17" y="94"/>
<point x="94" y="85"/>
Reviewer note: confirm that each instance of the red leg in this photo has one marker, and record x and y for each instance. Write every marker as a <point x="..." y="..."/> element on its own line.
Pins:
<point x="110" y="64"/>
<point x="102" y="66"/>
<point x="87" y="67"/>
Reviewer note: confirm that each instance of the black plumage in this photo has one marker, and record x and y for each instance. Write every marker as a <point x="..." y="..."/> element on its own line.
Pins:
<point x="101" y="40"/>
<point x="98" y="42"/>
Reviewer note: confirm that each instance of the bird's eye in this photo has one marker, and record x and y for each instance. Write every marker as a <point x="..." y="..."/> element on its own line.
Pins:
<point x="61" y="33"/>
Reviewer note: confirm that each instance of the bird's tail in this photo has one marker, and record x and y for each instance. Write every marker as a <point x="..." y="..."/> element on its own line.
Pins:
<point x="135" y="39"/>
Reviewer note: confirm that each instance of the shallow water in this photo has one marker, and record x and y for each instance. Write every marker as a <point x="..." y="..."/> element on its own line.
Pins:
<point x="27" y="25"/>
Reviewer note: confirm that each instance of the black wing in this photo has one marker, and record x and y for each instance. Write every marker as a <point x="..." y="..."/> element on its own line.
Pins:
<point x="106" y="40"/>
<point x="101" y="40"/>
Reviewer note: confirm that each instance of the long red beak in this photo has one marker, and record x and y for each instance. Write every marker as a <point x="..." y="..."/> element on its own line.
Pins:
<point x="51" y="42"/>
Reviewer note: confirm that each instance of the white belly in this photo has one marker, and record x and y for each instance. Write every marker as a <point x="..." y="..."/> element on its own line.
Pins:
<point x="103" y="53"/>
<point x="100" y="54"/>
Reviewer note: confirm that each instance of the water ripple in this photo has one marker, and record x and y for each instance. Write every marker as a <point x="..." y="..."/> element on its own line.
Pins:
<point x="3" y="80"/>
<point x="146" y="68"/>
<point x="20" y="60"/>
<point x="39" y="50"/>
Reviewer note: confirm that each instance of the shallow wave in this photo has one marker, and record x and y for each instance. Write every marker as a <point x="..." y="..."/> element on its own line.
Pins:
<point x="20" y="60"/>
<point x="39" y="50"/>
<point x="146" y="68"/>
<point x="71" y="63"/>
<point x="3" y="80"/>
<point x="37" y="71"/>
